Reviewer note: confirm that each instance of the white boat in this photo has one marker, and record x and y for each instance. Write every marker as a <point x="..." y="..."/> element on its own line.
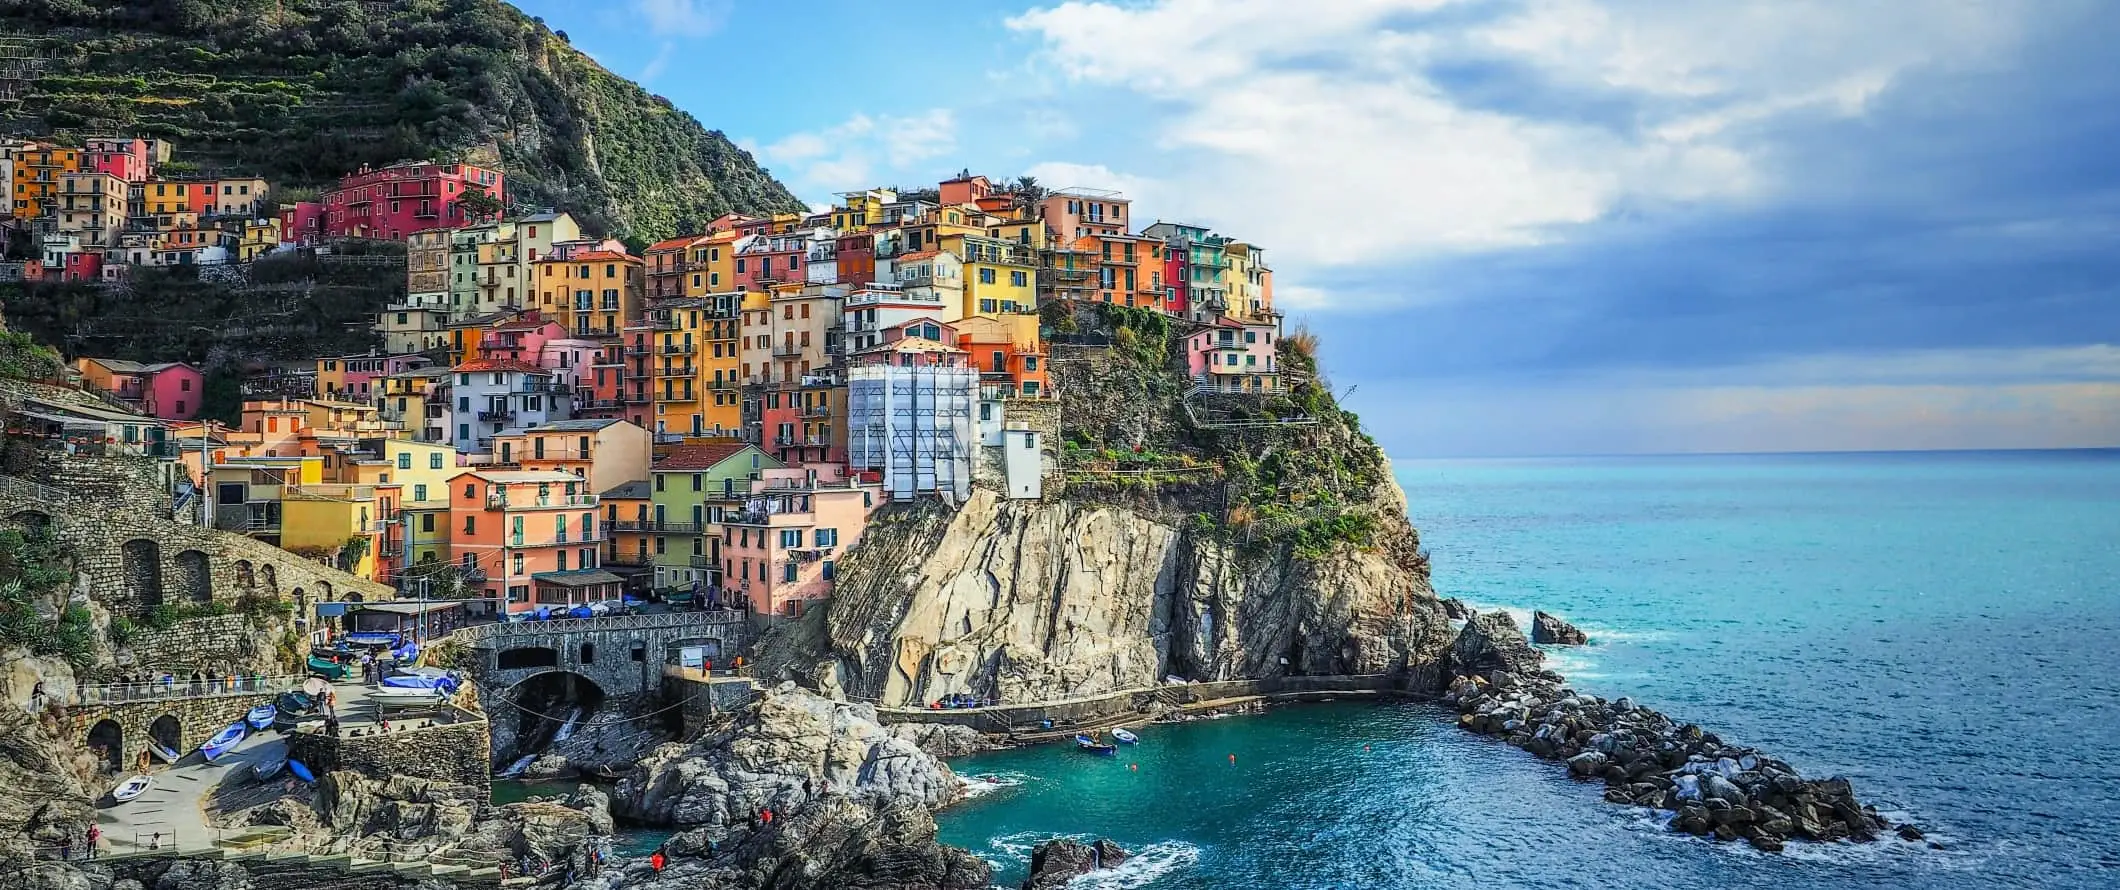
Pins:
<point x="431" y="673"/>
<point x="131" y="788"/>
<point x="396" y="697"/>
<point x="1126" y="737"/>
<point x="224" y="741"/>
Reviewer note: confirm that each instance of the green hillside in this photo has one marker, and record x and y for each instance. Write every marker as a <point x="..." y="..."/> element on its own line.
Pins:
<point x="302" y="91"/>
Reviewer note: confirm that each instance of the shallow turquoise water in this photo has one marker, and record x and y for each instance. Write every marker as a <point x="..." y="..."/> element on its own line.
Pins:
<point x="1939" y="627"/>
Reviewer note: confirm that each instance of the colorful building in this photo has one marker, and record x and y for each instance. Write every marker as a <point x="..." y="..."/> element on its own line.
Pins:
<point x="38" y="169"/>
<point x="352" y="377"/>
<point x="1235" y="356"/>
<point x="1008" y="354"/>
<point x="606" y="453"/>
<point x="165" y="390"/>
<point x="693" y="486"/>
<point x="393" y="202"/>
<point x="91" y="205"/>
<point x="527" y="539"/>
<point x="780" y="552"/>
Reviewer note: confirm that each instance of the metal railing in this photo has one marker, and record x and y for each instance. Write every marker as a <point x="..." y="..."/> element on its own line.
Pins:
<point x="478" y="632"/>
<point x="171" y="688"/>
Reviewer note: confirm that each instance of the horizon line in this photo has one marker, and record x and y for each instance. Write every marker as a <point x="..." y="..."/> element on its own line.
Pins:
<point x="1791" y="453"/>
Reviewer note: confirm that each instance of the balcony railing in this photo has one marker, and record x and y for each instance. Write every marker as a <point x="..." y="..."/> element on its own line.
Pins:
<point x="655" y="527"/>
<point x="824" y="410"/>
<point x="802" y="442"/>
<point x="496" y="415"/>
<point x="787" y="350"/>
<point x="531" y="503"/>
<point x="676" y="371"/>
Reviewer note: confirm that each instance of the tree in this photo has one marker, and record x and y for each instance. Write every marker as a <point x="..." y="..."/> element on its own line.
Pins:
<point x="479" y="205"/>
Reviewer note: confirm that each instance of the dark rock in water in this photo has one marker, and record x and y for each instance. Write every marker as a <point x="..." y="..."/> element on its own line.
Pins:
<point x="1491" y="642"/>
<point x="1550" y="629"/>
<point x="1058" y="861"/>
<point x="1910" y="833"/>
<point x="1456" y="610"/>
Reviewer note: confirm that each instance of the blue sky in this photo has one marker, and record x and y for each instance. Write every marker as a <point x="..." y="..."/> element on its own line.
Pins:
<point x="1527" y="227"/>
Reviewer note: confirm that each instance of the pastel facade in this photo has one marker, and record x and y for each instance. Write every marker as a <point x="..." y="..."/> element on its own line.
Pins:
<point x="393" y="202"/>
<point x="164" y="390"/>
<point x="525" y="538"/>
<point x="780" y="552"/>
<point x="1235" y="356"/>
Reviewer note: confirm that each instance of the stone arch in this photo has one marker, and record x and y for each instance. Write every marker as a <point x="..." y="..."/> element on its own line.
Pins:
<point x="107" y="740"/>
<point x="246" y="574"/>
<point x="29" y="520"/>
<point x="272" y="578"/>
<point x="194" y="576"/>
<point x="324" y="592"/>
<point x="526" y="657"/>
<point x="141" y="560"/>
<point x="168" y="732"/>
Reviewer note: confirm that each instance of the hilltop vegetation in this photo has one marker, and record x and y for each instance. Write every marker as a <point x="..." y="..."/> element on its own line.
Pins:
<point x="302" y="91"/>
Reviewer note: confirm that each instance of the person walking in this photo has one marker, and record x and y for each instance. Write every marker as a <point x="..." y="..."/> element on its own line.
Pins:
<point x="95" y="834"/>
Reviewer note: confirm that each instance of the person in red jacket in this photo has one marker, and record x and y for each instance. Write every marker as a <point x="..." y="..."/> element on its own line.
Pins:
<point x="656" y="861"/>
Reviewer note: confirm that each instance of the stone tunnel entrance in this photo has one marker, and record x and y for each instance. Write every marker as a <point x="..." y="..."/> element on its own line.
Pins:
<point x="106" y="740"/>
<point x="168" y="733"/>
<point x="549" y="709"/>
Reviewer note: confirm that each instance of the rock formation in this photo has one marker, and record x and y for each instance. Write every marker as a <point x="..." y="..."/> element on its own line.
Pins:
<point x="851" y="803"/>
<point x="1645" y="758"/>
<point x="1550" y="629"/>
<point x="1057" y="862"/>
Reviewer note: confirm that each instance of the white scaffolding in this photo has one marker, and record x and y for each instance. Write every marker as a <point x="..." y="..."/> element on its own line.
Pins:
<point x="915" y="425"/>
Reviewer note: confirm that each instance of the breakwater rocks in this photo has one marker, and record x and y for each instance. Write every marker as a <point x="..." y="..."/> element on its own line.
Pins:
<point x="1550" y="629"/>
<point x="1647" y="759"/>
<point x="1058" y="862"/>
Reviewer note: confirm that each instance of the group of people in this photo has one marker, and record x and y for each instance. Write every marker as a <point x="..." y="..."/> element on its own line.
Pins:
<point x="957" y="700"/>
<point x="93" y="839"/>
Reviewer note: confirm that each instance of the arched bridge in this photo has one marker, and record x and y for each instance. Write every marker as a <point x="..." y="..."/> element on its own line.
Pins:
<point x="622" y="654"/>
<point x="121" y="719"/>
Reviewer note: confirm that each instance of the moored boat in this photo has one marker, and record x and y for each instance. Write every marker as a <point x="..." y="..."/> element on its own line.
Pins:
<point x="329" y="669"/>
<point x="397" y="697"/>
<point x="300" y="771"/>
<point x="261" y="716"/>
<point x="224" y="741"/>
<point x="269" y="767"/>
<point x="1125" y="737"/>
<point x="130" y="788"/>
<point x="1088" y="745"/>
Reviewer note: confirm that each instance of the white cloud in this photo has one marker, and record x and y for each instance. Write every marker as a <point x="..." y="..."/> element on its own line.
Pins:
<point x="1331" y="132"/>
<point x="856" y="152"/>
<point x="657" y="65"/>
<point x="683" y="18"/>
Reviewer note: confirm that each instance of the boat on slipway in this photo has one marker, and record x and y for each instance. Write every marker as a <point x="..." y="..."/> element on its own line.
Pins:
<point x="131" y="788"/>
<point x="224" y="741"/>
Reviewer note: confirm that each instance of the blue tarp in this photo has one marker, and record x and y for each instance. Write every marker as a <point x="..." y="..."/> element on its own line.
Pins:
<point x="372" y="639"/>
<point x="582" y="612"/>
<point x="409" y="682"/>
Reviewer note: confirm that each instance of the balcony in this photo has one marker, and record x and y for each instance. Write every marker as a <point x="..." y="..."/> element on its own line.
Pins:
<point x="634" y="559"/>
<point x="637" y="351"/>
<point x="722" y="383"/>
<point x="653" y="527"/>
<point x="532" y="503"/>
<point x="823" y="410"/>
<point x="704" y="562"/>
<point x="676" y="371"/>
<point x="787" y="350"/>
<point x="639" y="398"/>
<point x="802" y="442"/>
<point x="677" y="349"/>
<point x="496" y="416"/>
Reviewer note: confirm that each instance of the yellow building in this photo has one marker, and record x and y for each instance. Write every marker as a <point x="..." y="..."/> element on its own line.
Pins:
<point x="1000" y="277"/>
<point x="37" y="173"/>
<point x="341" y="520"/>
<point x="713" y="265"/>
<point x="260" y="237"/>
<point x="591" y="293"/>
<point x="861" y="209"/>
<point x="1250" y="281"/>
<point x="693" y="360"/>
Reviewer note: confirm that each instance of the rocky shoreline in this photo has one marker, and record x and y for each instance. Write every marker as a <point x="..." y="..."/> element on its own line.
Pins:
<point x="1713" y="788"/>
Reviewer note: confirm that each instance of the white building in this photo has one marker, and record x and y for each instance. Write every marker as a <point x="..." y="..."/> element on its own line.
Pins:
<point x="873" y="308"/>
<point x="909" y="415"/>
<point x="492" y="395"/>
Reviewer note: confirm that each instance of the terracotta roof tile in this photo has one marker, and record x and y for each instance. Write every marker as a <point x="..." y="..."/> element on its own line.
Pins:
<point x="700" y="457"/>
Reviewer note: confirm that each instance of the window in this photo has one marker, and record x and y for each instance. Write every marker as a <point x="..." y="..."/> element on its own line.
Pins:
<point x="419" y="492"/>
<point x="697" y="481"/>
<point x="787" y="572"/>
<point x="404" y="460"/>
<point x="470" y="525"/>
<point x="518" y="564"/>
<point x="434" y="461"/>
<point x="562" y="557"/>
<point x="658" y="482"/>
<point x="1017" y="279"/>
<point x="828" y="570"/>
<point x="1251" y="336"/>
<point x="426" y="522"/>
<point x="827" y="537"/>
<point x="986" y="276"/>
<point x="790" y="538"/>
<point x="1030" y="363"/>
<point x="986" y="305"/>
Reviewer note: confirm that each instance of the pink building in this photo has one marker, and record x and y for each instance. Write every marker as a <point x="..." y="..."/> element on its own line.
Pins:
<point x="167" y="390"/>
<point x="127" y="159"/>
<point x="398" y="200"/>
<point x="780" y="551"/>
<point x="522" y="340"/>
<point x="770" y="259"/>
<point x="301" y="223"/>
<point x="352" y="377"/>
<point x="1233" y="356"/>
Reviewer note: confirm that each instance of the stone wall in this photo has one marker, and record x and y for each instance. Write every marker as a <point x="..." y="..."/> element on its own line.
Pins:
<point x="197" y="719"/>
<point x="1041" y="416"/>
<point x="698" y="699"/>
<point x="453" y="752"/>
<point x="1133" y="702"/>
<point x="215" y="645"/>
<point x="114" y="512"/>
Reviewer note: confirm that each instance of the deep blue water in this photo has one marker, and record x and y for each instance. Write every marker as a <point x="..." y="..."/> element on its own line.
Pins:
<point x="1944" y="629"/>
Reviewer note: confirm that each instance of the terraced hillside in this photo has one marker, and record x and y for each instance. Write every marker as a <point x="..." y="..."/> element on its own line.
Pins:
<point x="305" y="90"/>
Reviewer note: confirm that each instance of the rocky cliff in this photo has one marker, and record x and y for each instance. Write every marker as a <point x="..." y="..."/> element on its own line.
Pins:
<point x="1184" y="543"/>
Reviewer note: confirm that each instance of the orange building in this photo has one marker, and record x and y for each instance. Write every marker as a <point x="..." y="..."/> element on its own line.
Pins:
<point x="1008" y="353"/>
<point x="528" y="538"/>
<point x="625" y="541"/>
<point x="598" y="291"/>
<point x="38" y="170"/>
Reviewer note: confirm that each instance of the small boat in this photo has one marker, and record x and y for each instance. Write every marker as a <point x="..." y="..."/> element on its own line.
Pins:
<point x="289" y="704"/>
<point x="444" y="683"/>
<point x="131" y="788"/>
<point x="269" y="767"/>
<point x="261" y="716"/>
<point x="1126" y="738"/>
<point x="1087" y="745"/>
<point x="224" y="741"/>
<point x="395" y="697"/>
<point x="428" y="672"/>
<point x="329" y="669"/>
<point x="300" y="771"/>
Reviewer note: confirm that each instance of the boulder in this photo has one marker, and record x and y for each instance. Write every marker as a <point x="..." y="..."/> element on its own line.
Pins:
<point x="1586" y="764"/>
<point x="1490" y="642"/>
<point x="1550" y="629"/>
<point x="943" y="739"/>
<point x="1456" y="610"/>
<point x="1057" y="862"/>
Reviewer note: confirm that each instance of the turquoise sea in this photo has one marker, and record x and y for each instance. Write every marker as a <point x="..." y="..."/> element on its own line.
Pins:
<point x="1942" y="628"/>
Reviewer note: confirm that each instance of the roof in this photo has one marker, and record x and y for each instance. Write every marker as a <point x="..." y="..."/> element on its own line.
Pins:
<point x="411" y="608"/>
<point x="700" y="457"/>
<point x="630" y="491"/>
<point x="602" y="256"/>
<point x="918" y="255"/>
<point x="500" y="364"/>
<point x="513" y="476"/>
<point x="120" y="365"/>
<point x="578" y="578"/>
<point x="585" y="424"/>
<point x="680" y="241"/>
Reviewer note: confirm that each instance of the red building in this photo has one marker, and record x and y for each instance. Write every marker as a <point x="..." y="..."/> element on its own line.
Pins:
<point x="770" y="259"/>
<point x="83" y="265"/>
<point x="398" y="200"/>
<point x="857" y="259"/>
<point x="126" y="159"/>
<point x="301" y="223"/>
<point x="1177" y="298"/>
